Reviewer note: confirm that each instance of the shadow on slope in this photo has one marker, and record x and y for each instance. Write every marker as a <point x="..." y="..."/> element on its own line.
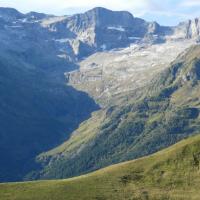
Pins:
<point x="37" y="112"/>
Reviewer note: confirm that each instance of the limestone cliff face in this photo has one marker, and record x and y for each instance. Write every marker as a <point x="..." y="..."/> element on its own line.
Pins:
<point x="100" y="28"/>
<point x="189" y="29"/>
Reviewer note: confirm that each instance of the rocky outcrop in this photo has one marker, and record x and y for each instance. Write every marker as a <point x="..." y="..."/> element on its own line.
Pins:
<point x="188" y="30"/>
<point x="10" y="14"/>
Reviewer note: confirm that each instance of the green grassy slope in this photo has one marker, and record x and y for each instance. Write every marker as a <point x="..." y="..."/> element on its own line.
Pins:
<point x="171" y="174"/>
<point x="167" y="112"/>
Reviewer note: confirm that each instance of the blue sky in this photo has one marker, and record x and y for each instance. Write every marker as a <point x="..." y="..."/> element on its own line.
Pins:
<point x="166" y="12"/>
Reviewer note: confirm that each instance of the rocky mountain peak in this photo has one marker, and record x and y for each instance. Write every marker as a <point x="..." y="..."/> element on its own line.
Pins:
<point x="10" y="14"/>
<point x="104" y="17"/>
<point x="37" y="16"/>
<point x="188" y="29"/>
<point x="194" y="27"/>
<point x="101" y="17"/>
<point x="153" y="27"/>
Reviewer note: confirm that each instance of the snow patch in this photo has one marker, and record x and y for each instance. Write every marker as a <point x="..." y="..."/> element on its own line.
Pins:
<point x="134" y="38"/>
<point x="53" y="29"/>
<point x="24" y="20"/>
<point x="52" y="20"/>
<point x="103" y="47"/>
<point x="6" y="26"/>
<point x="63" y="40"/>
<point x="16" y="26"/>
<point x="64" y="56"/>
<point x="116" y="28"/>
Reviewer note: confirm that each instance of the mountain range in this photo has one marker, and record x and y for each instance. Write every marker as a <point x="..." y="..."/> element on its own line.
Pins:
<point x="85" y="91"/>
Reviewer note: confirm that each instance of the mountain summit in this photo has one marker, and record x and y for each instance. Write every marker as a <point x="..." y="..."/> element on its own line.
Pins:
<point x="10" y="14"/>
<point x="102" y="17"/>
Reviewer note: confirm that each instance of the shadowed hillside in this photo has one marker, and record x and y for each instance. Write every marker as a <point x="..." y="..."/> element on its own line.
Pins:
<point x="37" y="111"/>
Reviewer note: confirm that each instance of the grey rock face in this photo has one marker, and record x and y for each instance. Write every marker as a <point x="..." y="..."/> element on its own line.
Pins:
<point x="100" y="17"/>
<point x="188" y="30"/>
<point x="101" y="29"/>
<point x="105" y="29"/>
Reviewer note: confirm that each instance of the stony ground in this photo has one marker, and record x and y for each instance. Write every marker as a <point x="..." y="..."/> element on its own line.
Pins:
<point x="121" y="70"/>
